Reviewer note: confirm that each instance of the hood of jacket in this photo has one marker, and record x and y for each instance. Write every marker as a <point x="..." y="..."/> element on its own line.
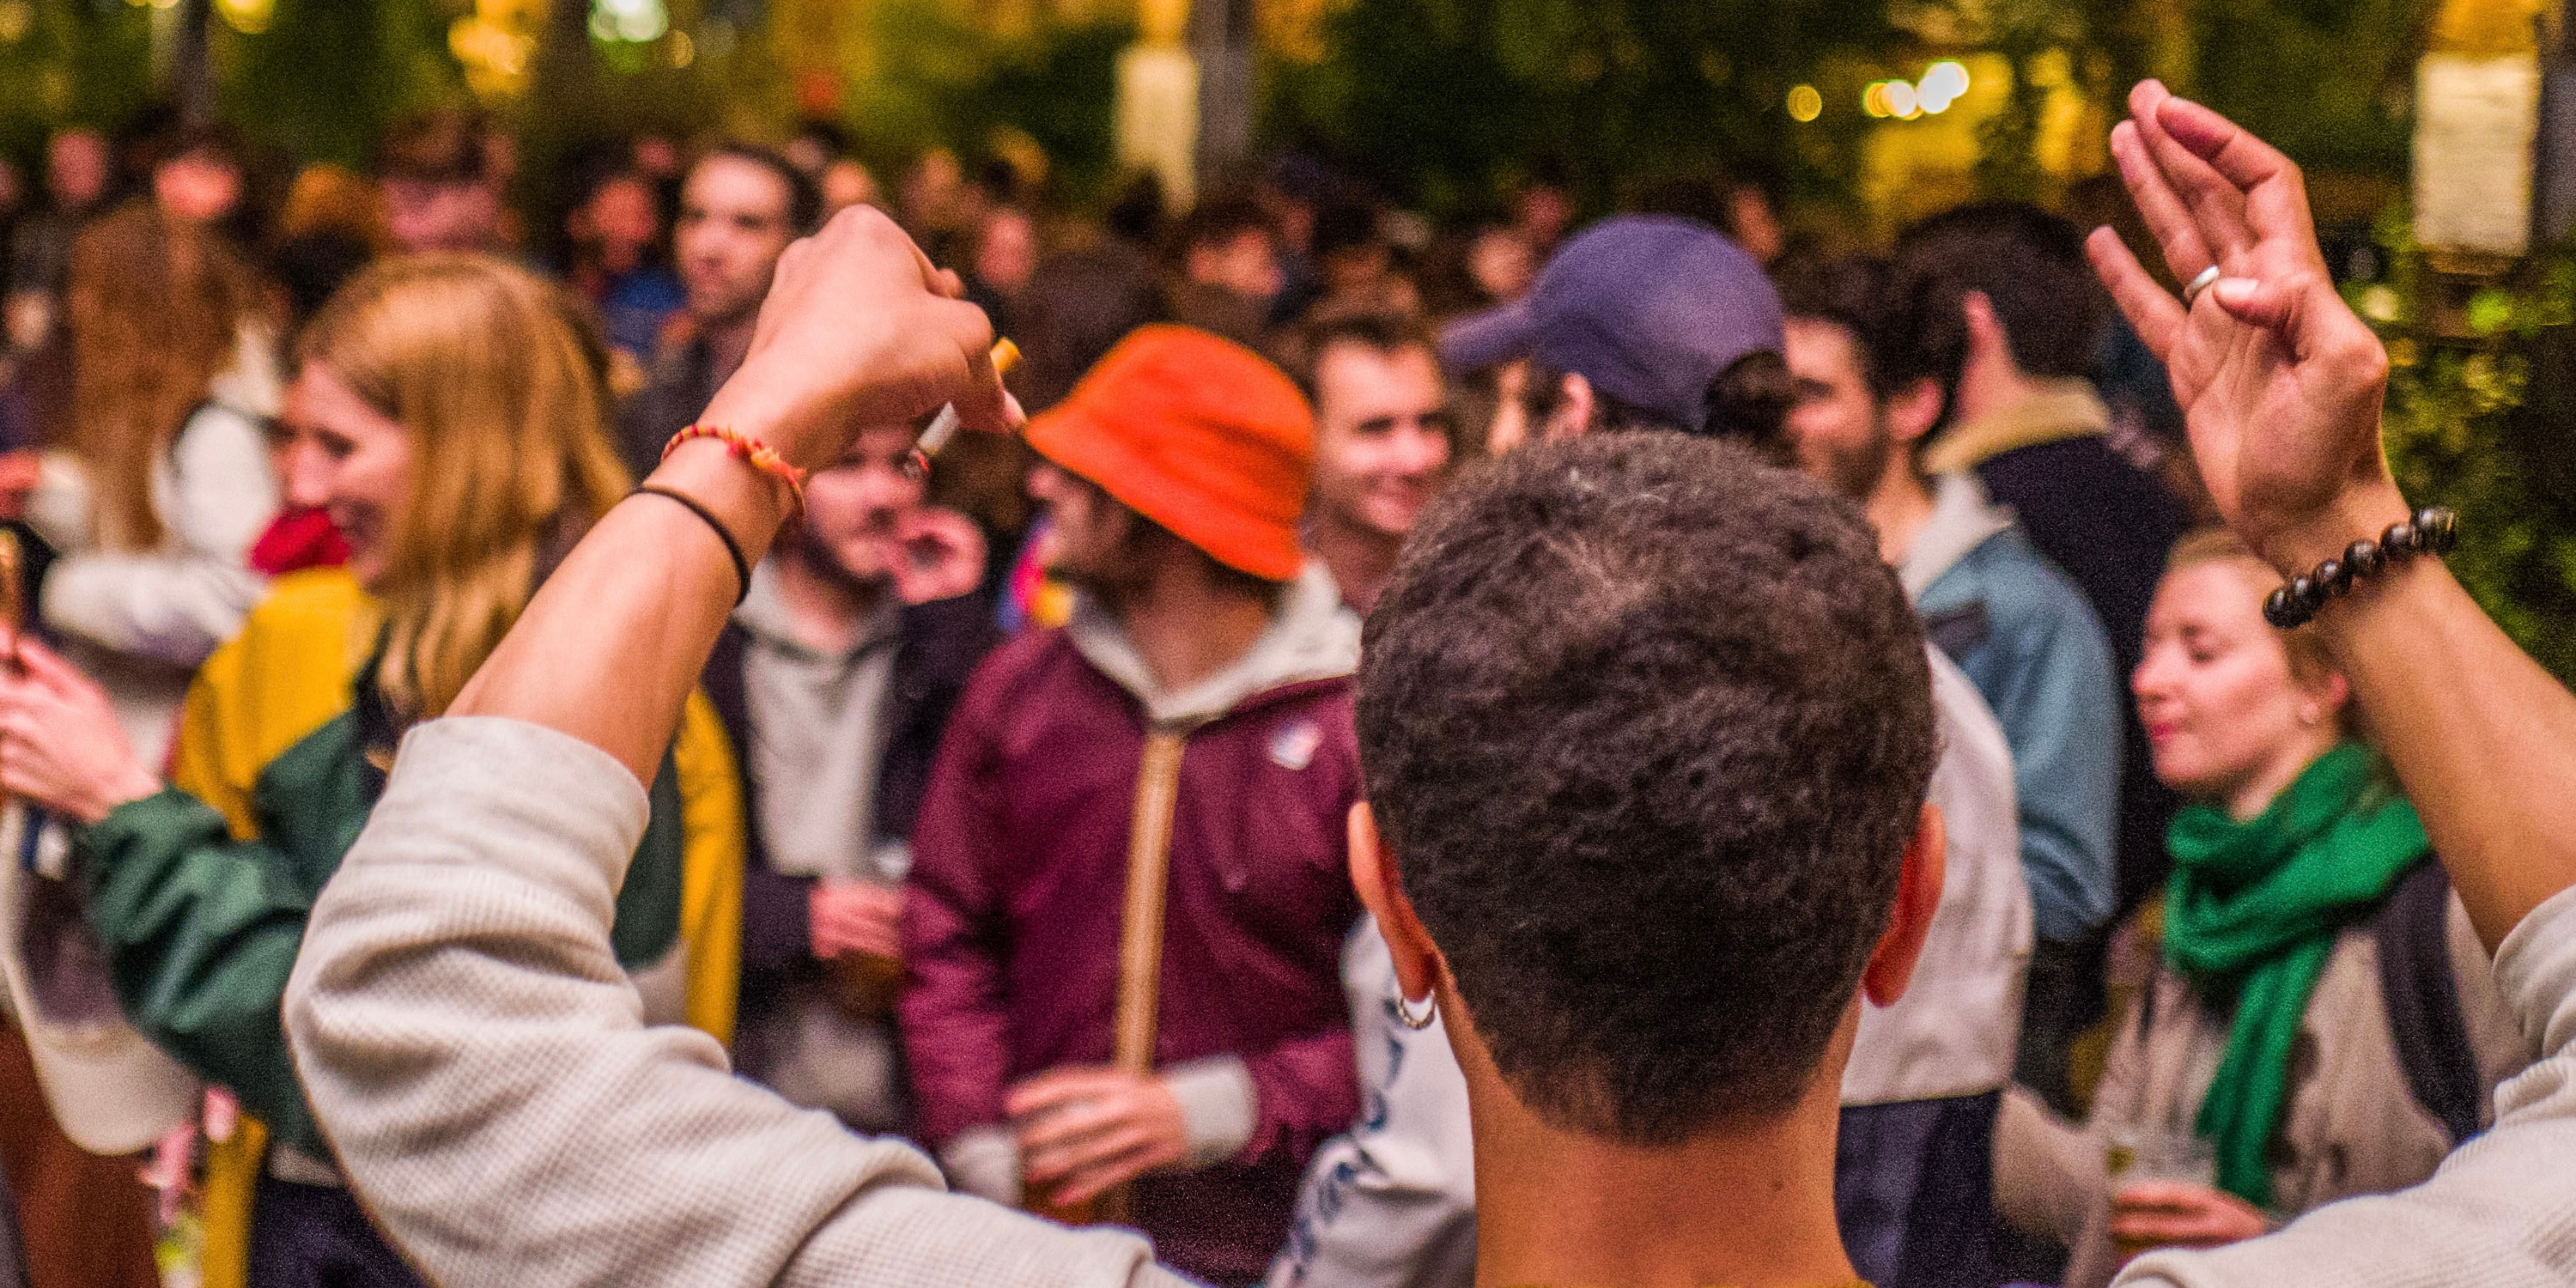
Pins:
<point x="1963" y="518"/>
<point x="1311" y="637"/>
<point x="2059" y="409"/>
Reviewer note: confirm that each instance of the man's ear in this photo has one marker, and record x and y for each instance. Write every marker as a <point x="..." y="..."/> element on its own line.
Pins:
<point x="1573" y="415"/>
<point x="1913" y="411"/>
<point x="1918" y="897"/>
<point x="1985" y="329"/>
<point x="1418" y="968"/>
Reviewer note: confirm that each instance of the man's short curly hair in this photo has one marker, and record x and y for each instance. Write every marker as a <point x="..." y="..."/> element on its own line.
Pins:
<point x="1648" y="725"/>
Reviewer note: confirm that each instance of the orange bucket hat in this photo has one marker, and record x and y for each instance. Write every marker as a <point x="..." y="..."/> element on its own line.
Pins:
<point x="1198" y="434"/>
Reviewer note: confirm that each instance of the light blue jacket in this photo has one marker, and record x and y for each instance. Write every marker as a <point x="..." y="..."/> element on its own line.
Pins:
<point x="2034" y="649"/>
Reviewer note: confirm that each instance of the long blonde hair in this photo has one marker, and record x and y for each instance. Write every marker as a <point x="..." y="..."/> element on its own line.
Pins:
<point x="499" y="383"/>
<point x="156" y="310"/>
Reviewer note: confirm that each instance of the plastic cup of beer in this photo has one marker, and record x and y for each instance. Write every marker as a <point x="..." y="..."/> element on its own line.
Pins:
<point x="2144" y="1156"/>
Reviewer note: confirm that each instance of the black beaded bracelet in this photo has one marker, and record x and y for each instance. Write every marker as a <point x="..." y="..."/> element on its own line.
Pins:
<point x="2433" y="531"/>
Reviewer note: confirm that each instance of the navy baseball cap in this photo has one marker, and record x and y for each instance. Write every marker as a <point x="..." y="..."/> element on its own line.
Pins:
<point x="1650" y="308"/>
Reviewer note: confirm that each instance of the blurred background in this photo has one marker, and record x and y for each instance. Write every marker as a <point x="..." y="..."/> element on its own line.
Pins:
<point x="2437" y="135"/>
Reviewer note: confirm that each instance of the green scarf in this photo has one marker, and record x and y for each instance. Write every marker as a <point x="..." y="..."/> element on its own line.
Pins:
<point x="2254" y="908"/>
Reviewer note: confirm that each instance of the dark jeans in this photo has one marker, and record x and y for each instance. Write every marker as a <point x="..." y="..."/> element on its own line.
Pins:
<point x="1914" y="1191"/>
<point x="315" y="1236"/>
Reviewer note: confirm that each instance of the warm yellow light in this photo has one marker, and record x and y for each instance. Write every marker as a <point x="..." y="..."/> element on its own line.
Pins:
<point x="17" y="18"/>
<point x="249" y="17"/>
<point x="684" y="51"/>
<point x="1874" y="99"/>
<point x="1902" y="102"/>
<point x="1805" y="104"/>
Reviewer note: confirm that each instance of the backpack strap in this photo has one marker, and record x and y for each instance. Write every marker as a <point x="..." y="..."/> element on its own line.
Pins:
<point x="2423" y="1001"/>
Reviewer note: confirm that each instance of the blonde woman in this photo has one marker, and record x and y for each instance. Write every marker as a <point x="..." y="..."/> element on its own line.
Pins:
<point x="165" y="479"/>
<point x="2316" y="972"/>
<point x="447" y="412"/>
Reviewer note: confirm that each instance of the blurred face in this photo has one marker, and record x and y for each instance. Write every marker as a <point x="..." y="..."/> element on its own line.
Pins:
<point x="1836" y="424"/>
<point x="1245" y="263"/>
<point x="200" y="187"/>
<point x="855" y="509"/>
<point x="2226" y="719"/>
<point x="1755" y="224"/>
<point x="1356" y="270"/>
<point x="657" y="156"/>
<point x="76" y="167"/>
<point x="734" y="224"/>
<point x="1501" y="264"/>
<point x="846" y="183"/>
<point x="1007" y="254"/>
<point x="1382" y="434"/>
<point x="432" y="215"/>
<point x="353" y="462"/>
<point x="1543" y="213"/>
<point x="1086" y="540"/>
<point x="622" y="218"/>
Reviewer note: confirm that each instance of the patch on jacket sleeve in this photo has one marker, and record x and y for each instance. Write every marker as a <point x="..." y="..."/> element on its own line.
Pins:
<point x="1293" y="747"/>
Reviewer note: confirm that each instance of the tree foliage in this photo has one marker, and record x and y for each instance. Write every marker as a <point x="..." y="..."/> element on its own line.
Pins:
<point x="1447" y="99"/>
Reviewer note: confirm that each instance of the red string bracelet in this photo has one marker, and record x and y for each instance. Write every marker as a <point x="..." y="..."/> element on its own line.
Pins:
<point x="752" y="452"/>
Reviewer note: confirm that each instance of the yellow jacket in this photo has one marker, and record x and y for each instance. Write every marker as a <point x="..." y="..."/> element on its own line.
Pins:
<point x="286" y="676"/>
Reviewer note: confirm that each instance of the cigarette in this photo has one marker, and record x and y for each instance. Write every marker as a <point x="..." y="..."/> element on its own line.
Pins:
<point x="943" y="426"/>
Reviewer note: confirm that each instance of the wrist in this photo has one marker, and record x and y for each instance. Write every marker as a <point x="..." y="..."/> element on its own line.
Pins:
<point x="745" y="405"/>
<point x="93" y="807"/>
<point x="751" y="504"/>
<point x="2362" y="512"/>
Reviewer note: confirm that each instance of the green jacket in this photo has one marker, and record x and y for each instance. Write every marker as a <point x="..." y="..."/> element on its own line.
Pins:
<point x="201" y="929"/>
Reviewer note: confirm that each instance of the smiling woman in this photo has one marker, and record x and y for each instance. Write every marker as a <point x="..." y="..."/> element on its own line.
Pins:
<point x="447" y="414"/>
<point x="453" y="493"/>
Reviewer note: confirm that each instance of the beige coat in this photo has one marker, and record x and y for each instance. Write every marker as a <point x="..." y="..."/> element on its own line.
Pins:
<point x="2352" y="1125"/>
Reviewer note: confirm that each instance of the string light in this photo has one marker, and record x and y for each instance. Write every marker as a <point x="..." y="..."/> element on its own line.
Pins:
<point x="1805" y="104"/>
<point x="1941" y="86"/>
<point x="249" y="17"/>
<point x="632" y="21"/>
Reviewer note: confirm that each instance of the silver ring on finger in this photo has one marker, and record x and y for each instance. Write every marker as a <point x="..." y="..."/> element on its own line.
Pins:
<point x="2191" y="290"/>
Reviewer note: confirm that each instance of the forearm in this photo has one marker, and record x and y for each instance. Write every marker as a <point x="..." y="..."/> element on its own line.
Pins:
<point x="2482" y="738"/>
<point x="641" y="599"/>
<point x="478" y="1062"/>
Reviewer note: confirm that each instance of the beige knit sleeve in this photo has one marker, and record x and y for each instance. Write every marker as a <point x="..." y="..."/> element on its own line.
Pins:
<point x="479" y="1063"/>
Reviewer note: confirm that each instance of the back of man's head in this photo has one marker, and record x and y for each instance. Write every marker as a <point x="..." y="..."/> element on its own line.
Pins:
<point x="1647" y="725"/>
<point x="2028" y="263"/>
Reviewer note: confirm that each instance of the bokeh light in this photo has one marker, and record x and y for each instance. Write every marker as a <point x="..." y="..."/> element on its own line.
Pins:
<point x="1805" y="104"/>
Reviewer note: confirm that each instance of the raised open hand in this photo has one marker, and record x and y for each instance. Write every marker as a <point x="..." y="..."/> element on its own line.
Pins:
<point x="2280" y="383"/>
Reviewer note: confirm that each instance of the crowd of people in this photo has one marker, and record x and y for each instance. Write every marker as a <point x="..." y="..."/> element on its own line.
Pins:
<point x="1648" y="752"/>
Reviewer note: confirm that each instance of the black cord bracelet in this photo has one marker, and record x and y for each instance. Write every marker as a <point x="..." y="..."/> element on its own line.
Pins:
<point x="2433" y="531"/>
<point x="741" y="566"/>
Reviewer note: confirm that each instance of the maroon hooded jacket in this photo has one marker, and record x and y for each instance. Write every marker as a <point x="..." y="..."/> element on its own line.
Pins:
<point x="1011" y="925"/>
